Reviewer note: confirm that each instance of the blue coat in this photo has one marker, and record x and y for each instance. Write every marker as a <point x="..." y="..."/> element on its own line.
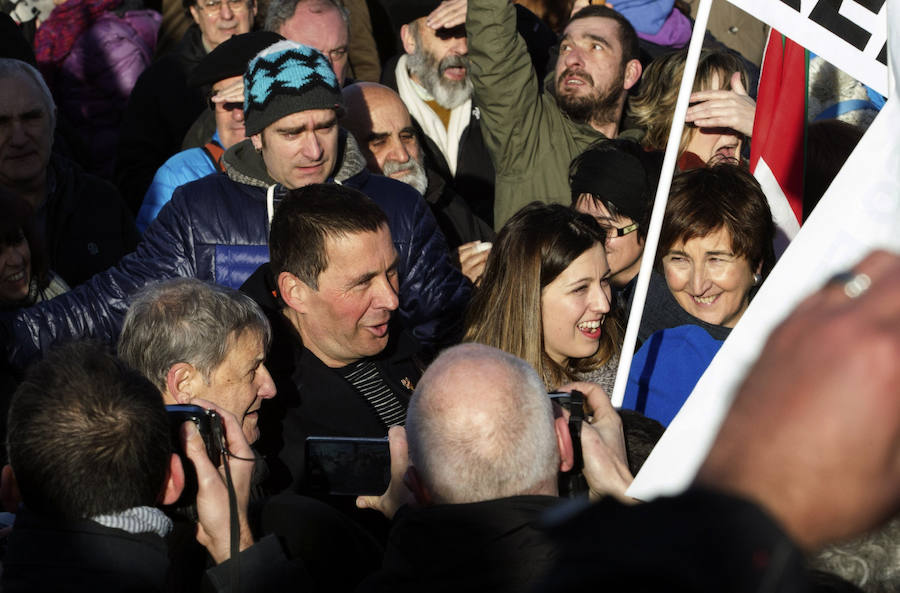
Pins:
<point x="216" y="229"/>
<point x="184" y="167"/>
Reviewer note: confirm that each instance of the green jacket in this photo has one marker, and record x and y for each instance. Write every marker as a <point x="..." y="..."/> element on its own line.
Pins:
<point x="531" y="141"/>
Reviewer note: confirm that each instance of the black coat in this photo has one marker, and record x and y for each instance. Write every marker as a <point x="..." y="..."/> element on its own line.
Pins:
<point x="88" y="226"/>
<point x="497" y="546"/>
<point x="313" y="399"/>
<point x="160" y="111"/>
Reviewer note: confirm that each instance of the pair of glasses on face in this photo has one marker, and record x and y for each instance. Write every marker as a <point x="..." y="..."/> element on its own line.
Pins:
<point x="615" y="232"/>
<point x="212" y="7"/>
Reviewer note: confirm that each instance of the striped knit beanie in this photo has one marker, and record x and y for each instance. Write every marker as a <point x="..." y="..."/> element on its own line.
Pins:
<point x="286" y="78"/>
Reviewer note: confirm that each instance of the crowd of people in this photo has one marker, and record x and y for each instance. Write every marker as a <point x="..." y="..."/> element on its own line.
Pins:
<point x="408" y="222"/>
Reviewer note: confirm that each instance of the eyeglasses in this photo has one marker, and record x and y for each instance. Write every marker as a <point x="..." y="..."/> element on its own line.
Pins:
<point x="614" y="232"/>
<point x="212" y="7"/>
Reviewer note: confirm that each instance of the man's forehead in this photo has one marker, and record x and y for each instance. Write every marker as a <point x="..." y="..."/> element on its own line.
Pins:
<point x="348" y="254"/>
<point x="317" y="24"/>
<point x="388" y="114"/>
<point x="307" y="119"/>
<point x="594" y="26"/>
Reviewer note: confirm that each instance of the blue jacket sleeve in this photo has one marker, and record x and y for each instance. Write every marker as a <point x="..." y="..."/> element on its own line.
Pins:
<point x="434" y="293"/>
<point x="96" y="308"/>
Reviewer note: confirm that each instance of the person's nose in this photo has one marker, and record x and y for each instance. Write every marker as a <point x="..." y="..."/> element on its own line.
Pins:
<point x="460" y="46"/>
<point x="574" y="57"/>
<point x="398" y="152"/>
<point x="237" y="114"/>
<point x="311" y="147"/>
<point x="699" y="280"/>
<point x="18" y="136"/>
<point x="387" y="295"/>
<point x="600" y="301"/>
<point x="266" y="385"/>
<point x="225" y="12"/>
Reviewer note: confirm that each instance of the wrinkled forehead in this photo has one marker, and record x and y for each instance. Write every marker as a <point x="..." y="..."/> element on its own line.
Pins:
<point x="388" y="113"/>
<point x="26" y="91"/>
<point x="595" y="27"/>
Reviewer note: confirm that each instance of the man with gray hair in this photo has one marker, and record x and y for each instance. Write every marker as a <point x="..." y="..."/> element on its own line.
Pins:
<point x="198" y="340"/>
<point x="85" y="223"/>
<point x="328" y="26"/>
<point x="485" y="447"/>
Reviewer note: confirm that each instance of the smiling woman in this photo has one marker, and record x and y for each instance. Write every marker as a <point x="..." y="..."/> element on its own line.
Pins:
<point x="545" y="296"/>
<point x="715" y="249"/>
<point x="24" y="276"/>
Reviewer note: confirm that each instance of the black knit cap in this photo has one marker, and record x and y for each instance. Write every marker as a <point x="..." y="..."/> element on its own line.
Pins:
<point x="403" y="12"/>
<point x="287" y="78"/>
<point x="618" y="171"/>
<point x="230" y="57"/>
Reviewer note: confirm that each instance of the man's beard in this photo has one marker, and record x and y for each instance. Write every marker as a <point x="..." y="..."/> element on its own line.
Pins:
<point x="600" y="106"/>
<point x="448" y="93"/>
<point x="416" y="176"/>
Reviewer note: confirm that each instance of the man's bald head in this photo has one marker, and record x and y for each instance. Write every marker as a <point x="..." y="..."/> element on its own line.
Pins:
<point x="480" y="427"/>
<point x="380" y="122"/>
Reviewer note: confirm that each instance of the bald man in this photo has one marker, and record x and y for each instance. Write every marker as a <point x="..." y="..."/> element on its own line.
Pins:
<point x="380" y="122"/>
<point x="485" y="448"/>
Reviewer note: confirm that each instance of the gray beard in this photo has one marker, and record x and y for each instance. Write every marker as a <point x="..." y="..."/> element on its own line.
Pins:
<point x="416" y="178"/>
<point x="426" y="68"/>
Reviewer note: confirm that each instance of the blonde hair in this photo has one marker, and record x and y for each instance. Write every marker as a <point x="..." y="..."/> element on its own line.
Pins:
<point x="532" y="249"/>
<point x="652" y="108"/>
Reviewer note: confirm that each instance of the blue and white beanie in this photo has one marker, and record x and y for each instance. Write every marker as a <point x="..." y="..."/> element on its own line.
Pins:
<point x="286" y="78"/>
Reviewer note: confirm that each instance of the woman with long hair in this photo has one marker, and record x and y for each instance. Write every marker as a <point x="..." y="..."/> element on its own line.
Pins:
<point x="545" y="296"/>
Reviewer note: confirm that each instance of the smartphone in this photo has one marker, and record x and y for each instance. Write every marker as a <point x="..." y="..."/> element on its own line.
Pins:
<point x="348" y="465"/>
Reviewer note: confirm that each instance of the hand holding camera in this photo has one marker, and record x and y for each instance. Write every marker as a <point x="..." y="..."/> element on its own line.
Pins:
<point x="214" y="525"/>
<point x="602" y="444"/>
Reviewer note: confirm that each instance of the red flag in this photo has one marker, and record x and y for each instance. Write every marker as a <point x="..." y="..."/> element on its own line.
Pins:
<point x="777" y="148"/>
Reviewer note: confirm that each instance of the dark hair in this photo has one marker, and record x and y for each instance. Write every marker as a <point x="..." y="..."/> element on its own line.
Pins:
<point x="627" y="35"/>
<point x="87" y="435"/>
<point x="307" y="216"/>
<point x="828" y="146"/>
<point x="621" y="176"/>
<point x="534" y="247"/>
<point x="19" y="220"/>
<point x="726" y="196"/>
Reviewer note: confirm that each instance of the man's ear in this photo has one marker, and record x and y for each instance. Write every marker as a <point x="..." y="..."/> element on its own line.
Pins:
<point x="564" y="442"/>
<point x="195" y="13"/>
<point x="408" y="39"/>
<point x="633" y="70"/>
<point x="174" y="483"/>
<point x="181" y="382"/>
<point x="293" y="291"/>
<point x="256" y="139"/>
<point x="420" y="491"/>
<point x="9" y="490"/>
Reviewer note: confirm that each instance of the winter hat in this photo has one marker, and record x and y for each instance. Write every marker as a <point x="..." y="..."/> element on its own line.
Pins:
<point x="230" y="57"/>
<point x="287" y="78"/>
<point x="618" y="171"/>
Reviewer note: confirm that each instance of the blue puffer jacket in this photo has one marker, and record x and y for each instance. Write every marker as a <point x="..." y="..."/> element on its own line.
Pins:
<point x="184" y="167"/>
<point x="216" y="229"/>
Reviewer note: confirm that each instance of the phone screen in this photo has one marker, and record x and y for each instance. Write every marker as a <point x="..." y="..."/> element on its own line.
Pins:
<point x="348" y="465"/>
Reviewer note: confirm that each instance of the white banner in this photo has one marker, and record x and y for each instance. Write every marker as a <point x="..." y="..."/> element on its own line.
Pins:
<point x="851" y="34"/>
<point x="859" y="212"/>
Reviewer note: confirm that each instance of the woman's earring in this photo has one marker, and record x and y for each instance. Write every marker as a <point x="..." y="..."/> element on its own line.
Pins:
<point x="756" y="279"/>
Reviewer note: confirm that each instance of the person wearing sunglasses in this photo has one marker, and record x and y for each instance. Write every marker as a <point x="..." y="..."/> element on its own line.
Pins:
<point x="223" y="69"/>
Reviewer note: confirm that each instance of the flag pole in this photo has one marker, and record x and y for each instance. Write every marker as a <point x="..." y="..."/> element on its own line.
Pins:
<point x="659" y="206"/>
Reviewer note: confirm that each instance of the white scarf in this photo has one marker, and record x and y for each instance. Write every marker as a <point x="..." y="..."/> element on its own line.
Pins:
<point x="446" y="139"/>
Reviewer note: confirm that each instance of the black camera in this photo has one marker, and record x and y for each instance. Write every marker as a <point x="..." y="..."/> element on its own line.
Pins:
<point x="572" y="483"/>
<point x="209" y="425"/>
